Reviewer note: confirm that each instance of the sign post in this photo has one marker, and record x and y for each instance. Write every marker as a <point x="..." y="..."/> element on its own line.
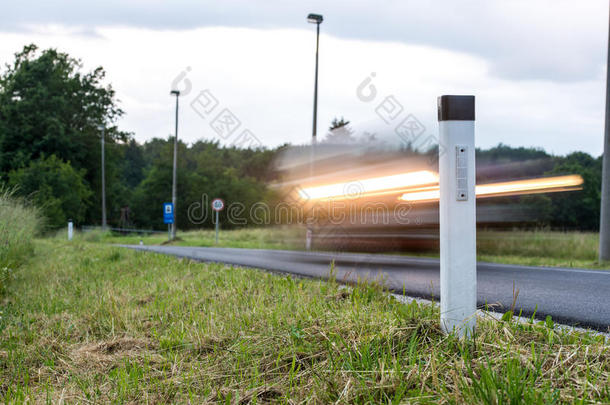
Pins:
<point x="457" y="214"/>
<point x="168" y="218"/>
<point x="217" y="205"/>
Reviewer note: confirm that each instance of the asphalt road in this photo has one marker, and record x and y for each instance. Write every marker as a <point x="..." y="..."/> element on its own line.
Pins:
<point x="571" y="296"/>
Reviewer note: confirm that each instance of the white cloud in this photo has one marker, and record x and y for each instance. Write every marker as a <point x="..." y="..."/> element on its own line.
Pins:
<point x="265" y="76"/>
<point x="559" y="40"/>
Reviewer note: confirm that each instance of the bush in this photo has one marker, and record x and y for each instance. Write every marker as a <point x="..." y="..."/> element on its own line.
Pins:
<point x="56" y="187"/>
<point x="19" y="223"/>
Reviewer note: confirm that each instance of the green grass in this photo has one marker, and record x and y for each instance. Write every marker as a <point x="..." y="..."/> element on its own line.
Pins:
<point x="19" y="224"/>
<point x="253" y="238"/>
<point x="530" y="248"/>
<point x="88" y="322"/>
<point x="540" y="248"/>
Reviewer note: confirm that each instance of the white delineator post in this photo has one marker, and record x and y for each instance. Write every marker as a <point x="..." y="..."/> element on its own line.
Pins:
<point x="308" y="237"/>
<point x="70" y="230"/>
<point x="457" y="214"/>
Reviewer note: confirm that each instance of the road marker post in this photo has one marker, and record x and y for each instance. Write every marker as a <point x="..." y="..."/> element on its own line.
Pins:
<point x="308" y="238"/>
<point x="70" y="229"/>
<point x="217" y="205"/>
<point x="458" y="281"/>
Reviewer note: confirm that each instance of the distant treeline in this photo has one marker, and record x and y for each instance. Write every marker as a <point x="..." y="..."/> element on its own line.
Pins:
<point x="574" y="210"/>
<point x="51" y="115"/>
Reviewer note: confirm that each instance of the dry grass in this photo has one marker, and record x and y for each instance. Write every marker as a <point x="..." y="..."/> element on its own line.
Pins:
<point x="92" y="323"/>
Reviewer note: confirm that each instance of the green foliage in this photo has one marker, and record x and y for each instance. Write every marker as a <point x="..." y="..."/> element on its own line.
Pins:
<point x="56" y="187"/>
<point x="568" y="210"/>
<point x="48" y="106"/>
<point x="205" y="171"/>
<point x="581" y="209"/>
<point x="19" y="224"/>
<point x="337" y="123"/>
<point x="506" y="154"/>
<point x="339" y="132"/>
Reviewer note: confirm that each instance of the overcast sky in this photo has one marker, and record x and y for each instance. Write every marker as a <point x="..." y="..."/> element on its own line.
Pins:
<point x="537" y="68"/>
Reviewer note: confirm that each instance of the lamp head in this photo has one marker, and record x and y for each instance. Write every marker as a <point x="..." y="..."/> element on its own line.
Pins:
<point x="315" y="18"/>
<point x="175" y="93"/>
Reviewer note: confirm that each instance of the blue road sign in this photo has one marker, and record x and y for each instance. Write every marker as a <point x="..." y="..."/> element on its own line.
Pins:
<point x="168" y="213"/>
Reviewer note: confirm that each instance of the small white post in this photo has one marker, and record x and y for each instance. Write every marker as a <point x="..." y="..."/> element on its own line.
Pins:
<point x="308" y="237"/>
<point x="70" y="230"/>
<point x="457" y="214"/>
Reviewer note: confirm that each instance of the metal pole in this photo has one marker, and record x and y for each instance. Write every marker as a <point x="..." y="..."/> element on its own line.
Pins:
<point x="315" y="121"/>
<point x="315" y="89"/>
<point x="604" y="221"/>
<point x="174" y="172"/>
<point x="457" y="214"/>
<point x="217" y="227"/>
<point x="103" y="180"/>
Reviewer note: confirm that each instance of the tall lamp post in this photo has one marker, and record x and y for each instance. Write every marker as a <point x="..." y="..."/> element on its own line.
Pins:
<point x="604" y="223"/>
<point x="102" y="128"/>
<point x="315" y="19"/>
<point x="177" y="94"/>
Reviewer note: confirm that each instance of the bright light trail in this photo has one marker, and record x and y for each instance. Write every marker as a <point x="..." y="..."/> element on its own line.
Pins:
<point x="519" y="187"/>
<point x="359" y="188"/>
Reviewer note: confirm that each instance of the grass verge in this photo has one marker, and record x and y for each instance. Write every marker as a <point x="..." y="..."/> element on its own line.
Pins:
<point x="19" y="223"/>
<point x="529" y="248"/>
<point x="88" y="322"/>
<point x="251" y="238"/>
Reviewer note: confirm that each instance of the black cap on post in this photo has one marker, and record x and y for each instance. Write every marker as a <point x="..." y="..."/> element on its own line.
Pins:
<point x="456" y="108"/>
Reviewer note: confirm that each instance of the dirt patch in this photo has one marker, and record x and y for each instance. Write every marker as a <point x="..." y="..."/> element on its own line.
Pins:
<point x="102" y="354"/>
<point x="122" y="345"/>
<point x="340" y="296"/>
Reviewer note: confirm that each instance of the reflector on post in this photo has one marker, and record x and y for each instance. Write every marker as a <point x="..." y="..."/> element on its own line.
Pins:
<point x="457" y="214"/>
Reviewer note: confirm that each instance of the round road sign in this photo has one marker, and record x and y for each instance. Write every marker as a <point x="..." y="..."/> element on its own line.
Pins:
<point x="218" y="204"/>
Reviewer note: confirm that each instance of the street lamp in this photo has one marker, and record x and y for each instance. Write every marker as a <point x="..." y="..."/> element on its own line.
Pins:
<point x="177" y="94"/>
<point x="315" y="19"/>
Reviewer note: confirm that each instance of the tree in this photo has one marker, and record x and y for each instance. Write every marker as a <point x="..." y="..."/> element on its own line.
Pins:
<point x="49" y="107"/>
<point x="205" y="171"/>
<point x="578" y="209"/>
<point x="56" y="187"/>
<point x="340" y="132"/>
